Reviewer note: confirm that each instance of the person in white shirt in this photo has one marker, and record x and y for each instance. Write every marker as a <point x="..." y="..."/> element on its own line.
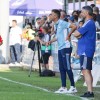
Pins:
<point x="15" y="43"/>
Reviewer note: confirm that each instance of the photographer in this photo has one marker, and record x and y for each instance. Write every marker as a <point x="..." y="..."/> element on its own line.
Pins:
<point x="28" y="33"/>
<point x="45" y="49"/>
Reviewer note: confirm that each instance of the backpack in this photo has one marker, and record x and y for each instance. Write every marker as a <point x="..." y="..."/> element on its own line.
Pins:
<point x="31" y="45"/>
<point x="47" y="72"/>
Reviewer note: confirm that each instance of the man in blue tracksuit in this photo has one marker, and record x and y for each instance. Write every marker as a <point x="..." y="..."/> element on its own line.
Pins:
<point x="64" y="50"/>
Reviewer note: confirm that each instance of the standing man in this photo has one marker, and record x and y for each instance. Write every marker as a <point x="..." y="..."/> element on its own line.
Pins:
<point x="64" y="51"/>
<point x="96" y="11"/>
<point x="15" y="43"/>
<point x="86" y="47"/>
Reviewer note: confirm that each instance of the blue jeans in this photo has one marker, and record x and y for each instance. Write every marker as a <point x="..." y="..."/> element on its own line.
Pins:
<point x="64" y="56"/>
<point x="15" y="53"/>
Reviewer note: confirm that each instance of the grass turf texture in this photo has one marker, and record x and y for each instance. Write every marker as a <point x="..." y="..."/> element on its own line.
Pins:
<point x="13" y="91"/>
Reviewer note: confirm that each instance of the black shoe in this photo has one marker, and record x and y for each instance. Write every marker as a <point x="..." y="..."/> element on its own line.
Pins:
<point x="88" y="95"/>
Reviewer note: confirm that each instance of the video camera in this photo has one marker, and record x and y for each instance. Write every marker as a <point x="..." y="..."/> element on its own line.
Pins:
<point x="39" y="33"/>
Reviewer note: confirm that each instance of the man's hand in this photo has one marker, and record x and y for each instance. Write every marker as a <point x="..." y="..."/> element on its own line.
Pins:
<point x="78" y="37"/>
<point x="77" y="34"/>
<point x="37" y="38"/>
<point x="68" y="38"/>
<point x="48" y="43"/>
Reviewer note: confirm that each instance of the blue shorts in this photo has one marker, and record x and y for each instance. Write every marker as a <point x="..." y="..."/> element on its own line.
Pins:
<point x="85" y="62"/>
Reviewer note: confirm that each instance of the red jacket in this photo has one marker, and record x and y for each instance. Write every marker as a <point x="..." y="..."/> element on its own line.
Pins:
<point x="1" y="40"/>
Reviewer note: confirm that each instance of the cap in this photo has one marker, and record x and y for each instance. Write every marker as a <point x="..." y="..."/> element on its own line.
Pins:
<point x="71" y="18"/>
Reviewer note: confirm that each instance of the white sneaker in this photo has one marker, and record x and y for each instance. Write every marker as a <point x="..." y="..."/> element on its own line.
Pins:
<point x="11" y="64"/>
<point x="72" y="90"/>
<point x="62" y="90"/>
<point x="17" y="64"/>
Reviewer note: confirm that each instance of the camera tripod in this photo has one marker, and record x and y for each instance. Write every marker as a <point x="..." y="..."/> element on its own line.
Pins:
<point x="37" y="47"/>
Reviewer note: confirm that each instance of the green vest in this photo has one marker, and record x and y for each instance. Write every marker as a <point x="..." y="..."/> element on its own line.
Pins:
<point x="43" y="47"/>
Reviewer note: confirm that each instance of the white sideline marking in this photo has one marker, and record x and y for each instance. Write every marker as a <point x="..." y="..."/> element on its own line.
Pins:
<point x="97" y="91"/>
<point x="25" y="84"/>
<point x="36" y="87"/>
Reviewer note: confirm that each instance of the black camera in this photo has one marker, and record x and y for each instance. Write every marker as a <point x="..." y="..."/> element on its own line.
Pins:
<point x="39" y="34"/>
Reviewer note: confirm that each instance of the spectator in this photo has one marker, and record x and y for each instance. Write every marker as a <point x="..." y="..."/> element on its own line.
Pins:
<point x="30" y="25"/>
<point x="62" y="14"/>
<point x="45" y="49"/>
<point x="75" y="12"/>
<point x="38" y="22"/>
<point x="28" y="32"/>
<point x="81" y="24"/>
<point x="71" y="19"/>
<point x="79" y="17"/>
<point x="96" y="22"/>
<point x="86" y="47"/>
<point x="97" y="26"/>
<point x="49" y="23"/>
<point x="75" y="20"/>
<point x="15" y="43"/>
<point x="96" y="11"/>
<point x="43" y="20"/>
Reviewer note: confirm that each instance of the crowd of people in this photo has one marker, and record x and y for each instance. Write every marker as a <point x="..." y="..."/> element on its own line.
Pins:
<point x="75" y="35"/>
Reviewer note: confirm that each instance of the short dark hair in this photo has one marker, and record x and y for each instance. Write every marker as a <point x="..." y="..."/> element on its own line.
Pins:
<point x="96" y="9"/>
<point x="89" y="9"/>
<point x="63" y="11"/>
<point x="44" y="17"/>
<point x="75" y="11"/>
<point x="94" y="17"/>
<point x="14" y="21"/>
<point x="92" y="5"/>
<point x="30" y="24"/>
<point x="46" y="28"/>
<point x="75" y="17"/>
<point x="38" y="18"/>
<point x="57" y="12"/>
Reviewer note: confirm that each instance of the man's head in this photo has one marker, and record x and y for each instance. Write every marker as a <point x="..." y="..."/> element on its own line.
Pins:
<point x="38" y="20"/>
<point x="81" y="23"/>
<point x="62" y="14"/>
<point x="14" y="23"/>
<point x="87" y="11"/>
<point x="96" y="10"/>
<point x="49" y="17"/>
<point x="43" y="20"/>
<point x="75" y="12"/>
<point x="55" y="15"/>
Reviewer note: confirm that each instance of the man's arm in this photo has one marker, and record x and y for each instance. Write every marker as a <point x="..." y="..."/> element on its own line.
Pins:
<point x="42" y="42"/>
<point x="53" y="40"/>
<point x="73" y="28"/>
<point x="77" y="34"/>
